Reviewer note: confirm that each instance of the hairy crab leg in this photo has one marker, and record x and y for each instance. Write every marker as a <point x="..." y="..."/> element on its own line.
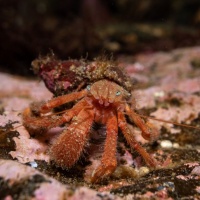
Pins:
<point x="41" y="124"/>
<point x="149" y="132"/>
<point x="69" y="145"/>
<point x="38" y="125"/>
<point x="57" y="101"/>
<point x="108" y="160"/>
<point x="132" y="142"/>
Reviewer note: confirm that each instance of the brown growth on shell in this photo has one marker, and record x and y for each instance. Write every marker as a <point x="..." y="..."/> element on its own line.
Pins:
<point x="65" y="76"/>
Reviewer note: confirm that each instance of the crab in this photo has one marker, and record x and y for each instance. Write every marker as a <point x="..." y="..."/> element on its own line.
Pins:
<point x="103" y="101"/>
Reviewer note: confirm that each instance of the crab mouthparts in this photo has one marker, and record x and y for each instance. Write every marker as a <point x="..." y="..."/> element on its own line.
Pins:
<point x="104" y="102"/>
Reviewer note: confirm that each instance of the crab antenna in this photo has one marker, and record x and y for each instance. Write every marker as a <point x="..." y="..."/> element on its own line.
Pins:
<point x="169" y="122"/>
<point x="13" y="129"/>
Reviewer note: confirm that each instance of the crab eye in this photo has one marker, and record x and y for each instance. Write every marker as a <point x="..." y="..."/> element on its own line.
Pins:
<point x="88" y="87"/>
<point x="118" y="93"/>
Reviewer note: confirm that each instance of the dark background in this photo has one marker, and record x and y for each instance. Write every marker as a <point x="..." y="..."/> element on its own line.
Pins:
<point x="89" y="27"/>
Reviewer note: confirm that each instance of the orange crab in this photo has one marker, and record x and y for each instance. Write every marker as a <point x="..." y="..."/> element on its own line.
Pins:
<point x="103" y="102"/>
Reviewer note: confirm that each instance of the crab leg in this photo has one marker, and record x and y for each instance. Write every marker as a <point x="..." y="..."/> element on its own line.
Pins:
<point x="38" y="125"/>
<point x="108" y="161"/>
<point x="42" y="124"/>
<point x="57" y="101"/>
<point x="69" y="145"/>
<point x="131" y="140"/>
<point x="149" y="132"/>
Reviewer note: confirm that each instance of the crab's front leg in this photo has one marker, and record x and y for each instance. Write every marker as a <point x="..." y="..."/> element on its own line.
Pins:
<point x="108" y="161"/>
<point x="39" y="108"/>
<point x="132" y="142"/>
<point x="69" y="145"/>
<point x="57" y="101"/>
<point x="39" y="124"/>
